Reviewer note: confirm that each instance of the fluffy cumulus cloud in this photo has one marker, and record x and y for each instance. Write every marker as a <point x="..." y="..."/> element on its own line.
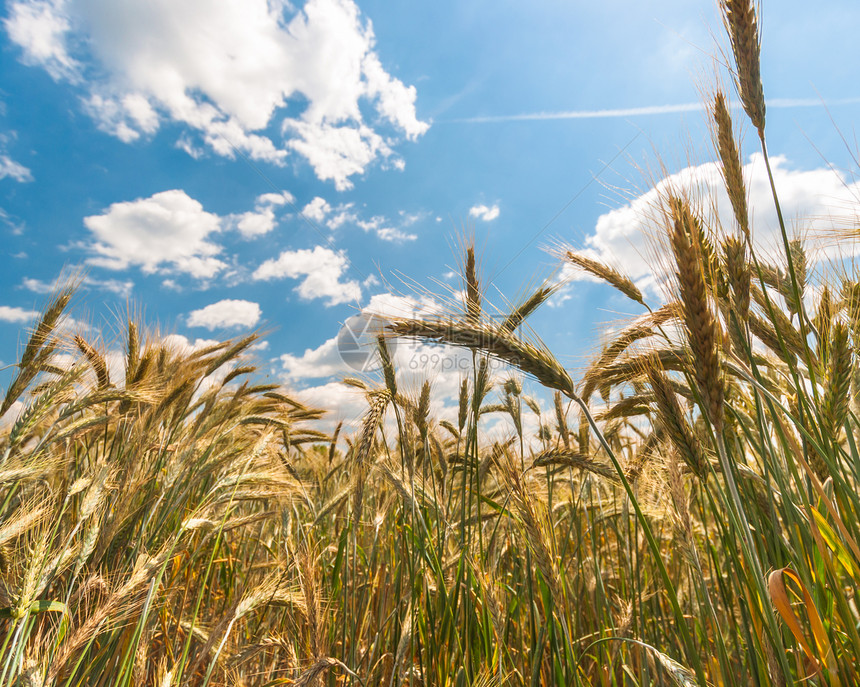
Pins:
<point x="228" y="71"/>
<point x="16" y="315"/>
<point x="169" y="231"/>
<point x="315" y="363"/>
<point x="321" y="271"/>
<point x="122" y="288"/>
<point x="317" y="209"/>
<point x="341" y="401"/>
<point x="485" y="213"/>
<point x="226" y="314"/>
<point x="816" y="203"/>
<point x="14" y="170"/>
<point x="40" y="27"/>
<point x="262" y="219"/>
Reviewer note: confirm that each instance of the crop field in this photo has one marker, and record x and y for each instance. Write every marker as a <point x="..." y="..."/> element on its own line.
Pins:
<point x="686" y="512"/>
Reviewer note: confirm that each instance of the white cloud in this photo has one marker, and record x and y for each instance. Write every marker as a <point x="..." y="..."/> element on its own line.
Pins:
<point x="40" y="27"/>
<point x="125" y="117"/>
<point x="326" y="361"/>
<point x="184" y="345"/>
<point x="396" y="101"/>
<point x="120" y="288"/>
<point x="276" y="199"/>
<point x="228" y="71"/>
<point x="253" y="224"/>
<point x="168" y="232"/>
<point x="185" y="144"/>
<point x="16" y="315"/>
<point x="336" y="152"/>
<point x="388" y="305"/>
<point x="342" y="214"/>
<point x="342" y="401"/>
<point x="484" y="213"/>
<point x="317" y="209"/>
<point x="814" y="202"/>
<point x="321" y="270"/>
<point x="262" y="219"/>
<point x="37" y="285"/>
<point x="226" y="314"/>
<point x="14" y="170"/>
<point x="380" y="226"/>
<point x="314" y="363"/>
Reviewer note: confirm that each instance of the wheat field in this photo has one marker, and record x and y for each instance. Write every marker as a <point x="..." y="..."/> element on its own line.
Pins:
<point x="687" y="512"/>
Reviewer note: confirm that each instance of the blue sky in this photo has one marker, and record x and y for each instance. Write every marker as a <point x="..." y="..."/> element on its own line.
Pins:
<point x="227" y="165"/>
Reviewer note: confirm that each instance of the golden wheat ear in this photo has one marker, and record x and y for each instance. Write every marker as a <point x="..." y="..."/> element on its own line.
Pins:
<point x="521" y="312"/>
<point x="473" y="288"/>
<point x="739" y="17"/>
<point x="641" y="328"/>
<point x="738" y="274"/>
<point x="732" y="168"/>
<point x="670" y="418"/>
<point x="96" y="360"/>
<point x="605" y="272"/>
<point x="40" y="348"/>
<point x="703" y="332"/>
<point x="534" y="360"/>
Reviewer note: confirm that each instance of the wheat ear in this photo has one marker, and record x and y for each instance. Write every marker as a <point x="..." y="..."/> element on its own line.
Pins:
<point x="531" y="359"/>
<point x="701" y="325"/>
<point x="732" y="168"/>
<point x="671" y="419"/>
<point x="607" y="273"/>
<point x="739" y="17"/>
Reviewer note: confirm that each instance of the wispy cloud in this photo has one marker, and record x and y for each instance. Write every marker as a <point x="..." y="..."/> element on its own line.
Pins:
<point x="779" y="103"/>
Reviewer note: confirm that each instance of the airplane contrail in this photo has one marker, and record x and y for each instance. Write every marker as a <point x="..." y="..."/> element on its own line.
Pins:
<point x="779" y="103"/>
